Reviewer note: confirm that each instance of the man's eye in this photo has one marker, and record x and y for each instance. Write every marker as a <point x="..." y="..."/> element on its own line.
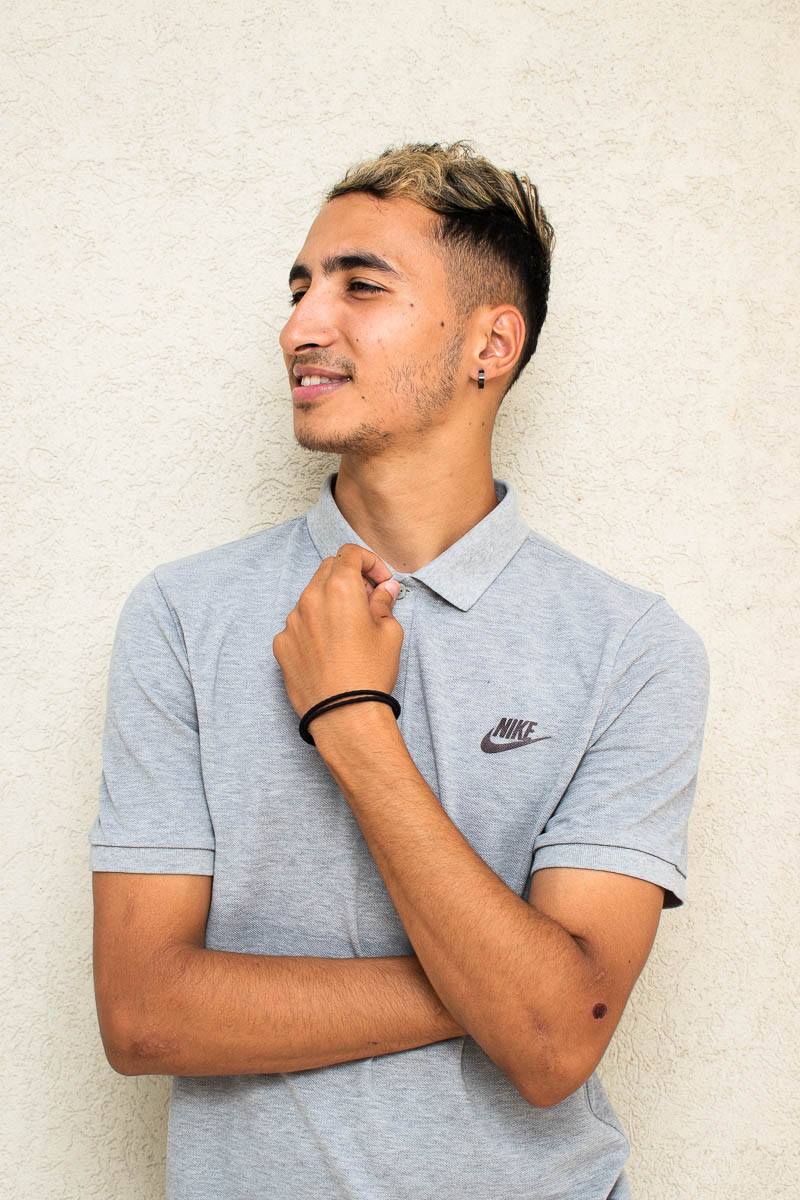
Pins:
<point x="359" y="285"/>
<point x="365" y="287"/>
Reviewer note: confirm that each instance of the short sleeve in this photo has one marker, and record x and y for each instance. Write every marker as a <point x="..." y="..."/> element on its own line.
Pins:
<point x="153" y="817"/>
<point x="627" y="806"/>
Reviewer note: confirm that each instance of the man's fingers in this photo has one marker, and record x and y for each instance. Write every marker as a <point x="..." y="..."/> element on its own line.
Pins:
<point x="383" y="598"/>
<point x="364" y="561"/>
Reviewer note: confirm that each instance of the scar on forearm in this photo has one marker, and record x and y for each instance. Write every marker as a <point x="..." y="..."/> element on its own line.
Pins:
<point x="599" y="1011"/>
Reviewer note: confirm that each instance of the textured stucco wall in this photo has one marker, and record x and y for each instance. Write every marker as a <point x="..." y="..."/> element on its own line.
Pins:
<point x="162" y="162"/>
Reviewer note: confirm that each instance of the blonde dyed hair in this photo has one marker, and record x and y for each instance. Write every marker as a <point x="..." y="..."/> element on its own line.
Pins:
<point x="492" y="230"/>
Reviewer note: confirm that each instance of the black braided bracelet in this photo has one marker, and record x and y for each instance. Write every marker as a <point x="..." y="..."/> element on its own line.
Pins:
<point x="338" y="701"/>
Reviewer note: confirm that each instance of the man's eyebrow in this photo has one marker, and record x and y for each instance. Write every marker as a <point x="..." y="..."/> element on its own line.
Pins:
<point x="346" y="262"/>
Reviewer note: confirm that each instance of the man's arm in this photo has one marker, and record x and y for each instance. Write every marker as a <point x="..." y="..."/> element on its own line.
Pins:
<point x="540" y="985"/>
<point x="168" y="1006"/>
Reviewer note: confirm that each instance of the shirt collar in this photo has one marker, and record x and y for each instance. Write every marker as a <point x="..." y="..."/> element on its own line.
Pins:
<point x="461" y="573"/>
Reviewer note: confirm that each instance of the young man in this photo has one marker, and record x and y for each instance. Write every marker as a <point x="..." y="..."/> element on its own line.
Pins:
<point x="383" y="959"/>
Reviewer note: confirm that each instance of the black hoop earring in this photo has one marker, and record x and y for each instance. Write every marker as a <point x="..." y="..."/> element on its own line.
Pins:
<point x="481" y="379"/>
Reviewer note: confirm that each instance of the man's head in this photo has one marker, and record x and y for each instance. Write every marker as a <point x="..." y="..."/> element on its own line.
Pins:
<point x="490" y="228"/>
<point x="423" y="266"/>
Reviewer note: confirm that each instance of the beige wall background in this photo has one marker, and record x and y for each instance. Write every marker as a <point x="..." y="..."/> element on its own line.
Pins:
<point x="162" y="164"/>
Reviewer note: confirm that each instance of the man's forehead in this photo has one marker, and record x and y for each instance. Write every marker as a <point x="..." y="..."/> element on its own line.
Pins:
<point x="392" y="230"/>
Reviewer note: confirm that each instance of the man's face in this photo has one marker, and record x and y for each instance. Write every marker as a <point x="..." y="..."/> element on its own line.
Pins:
<point x="372" y="315"/>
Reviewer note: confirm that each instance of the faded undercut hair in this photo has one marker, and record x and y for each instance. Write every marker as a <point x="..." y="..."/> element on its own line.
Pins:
<point x="492" y="230"/>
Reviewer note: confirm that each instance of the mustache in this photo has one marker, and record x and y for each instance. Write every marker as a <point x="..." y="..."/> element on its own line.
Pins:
<point x="342" y="364"/>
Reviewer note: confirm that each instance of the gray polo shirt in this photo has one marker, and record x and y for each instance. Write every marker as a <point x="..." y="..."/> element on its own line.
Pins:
<point x="555" y="712"/>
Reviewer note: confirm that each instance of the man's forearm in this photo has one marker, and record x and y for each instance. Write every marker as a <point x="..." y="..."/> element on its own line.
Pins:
<point x="515" y="979"/>
<point x="212" y="1012"/>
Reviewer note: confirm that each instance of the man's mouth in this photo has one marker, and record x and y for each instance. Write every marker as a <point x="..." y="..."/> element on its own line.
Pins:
<point x="312" y="385"/>
<point x="314" y="380"/>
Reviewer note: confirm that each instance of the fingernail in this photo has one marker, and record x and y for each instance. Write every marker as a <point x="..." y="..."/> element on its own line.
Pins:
<point x="393" y="588"/>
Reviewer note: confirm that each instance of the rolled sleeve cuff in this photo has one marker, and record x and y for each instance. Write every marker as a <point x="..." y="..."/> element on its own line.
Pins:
<point x="152" y="860"/>
<point x="621" y="859"/>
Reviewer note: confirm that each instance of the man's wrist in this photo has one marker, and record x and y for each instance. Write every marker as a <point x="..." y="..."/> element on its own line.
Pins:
<point x="367" y="726"/>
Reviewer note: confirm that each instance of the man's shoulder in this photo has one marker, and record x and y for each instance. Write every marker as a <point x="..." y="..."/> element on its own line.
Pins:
<point x="215" y="575"/>
<point x="604" y="605"/>
<point x="557" y="567"/>
<point x="251" y="551"/>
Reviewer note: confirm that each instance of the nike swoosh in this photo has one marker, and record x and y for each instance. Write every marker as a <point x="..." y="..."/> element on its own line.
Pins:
<point x="490" y="747"/>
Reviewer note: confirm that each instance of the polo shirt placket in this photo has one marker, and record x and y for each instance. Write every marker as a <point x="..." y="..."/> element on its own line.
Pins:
<point x="555" y="712"/>
<point x="403" y="611"/>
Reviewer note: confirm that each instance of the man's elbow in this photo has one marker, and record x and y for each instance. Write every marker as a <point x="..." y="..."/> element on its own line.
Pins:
<point x="552" y="1075"/>
<point x="140" y="1058"/>
<point x="132" y="1050"/>
<point x="548" y="1092"/>
<point x="123" y="1064"/>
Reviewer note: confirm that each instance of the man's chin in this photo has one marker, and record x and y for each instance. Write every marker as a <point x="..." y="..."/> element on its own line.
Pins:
<point x="363" y="441"/>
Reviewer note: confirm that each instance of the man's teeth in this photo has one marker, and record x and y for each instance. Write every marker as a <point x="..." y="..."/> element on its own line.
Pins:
<point x="313" y="380"/>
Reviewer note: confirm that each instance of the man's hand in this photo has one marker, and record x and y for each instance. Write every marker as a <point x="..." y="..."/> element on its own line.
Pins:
<point x="341" y="634"/>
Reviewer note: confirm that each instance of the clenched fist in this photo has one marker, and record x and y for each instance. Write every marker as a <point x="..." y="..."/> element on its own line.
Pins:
<point x="341" y="634"/>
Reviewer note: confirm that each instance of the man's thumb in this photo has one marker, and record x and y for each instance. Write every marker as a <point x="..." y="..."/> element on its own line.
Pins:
<point x="383" y="598"/>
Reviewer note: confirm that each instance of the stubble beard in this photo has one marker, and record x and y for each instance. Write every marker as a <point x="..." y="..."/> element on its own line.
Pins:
<point x="428" y="390"/>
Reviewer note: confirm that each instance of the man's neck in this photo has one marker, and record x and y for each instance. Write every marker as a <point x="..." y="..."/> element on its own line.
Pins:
<point x="410" y="512"/>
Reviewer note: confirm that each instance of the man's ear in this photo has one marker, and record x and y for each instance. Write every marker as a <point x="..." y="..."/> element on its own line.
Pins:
<point x="502" y="334"/>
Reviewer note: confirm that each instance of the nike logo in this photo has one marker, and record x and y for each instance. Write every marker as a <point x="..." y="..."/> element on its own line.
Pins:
<point x="515" y="733"/>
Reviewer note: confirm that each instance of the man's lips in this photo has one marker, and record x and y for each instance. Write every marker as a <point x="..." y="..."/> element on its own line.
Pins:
<point x="317" y="389"/>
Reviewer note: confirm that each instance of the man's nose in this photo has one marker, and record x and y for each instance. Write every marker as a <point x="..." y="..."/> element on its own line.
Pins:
<point x="311" y="323"/>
